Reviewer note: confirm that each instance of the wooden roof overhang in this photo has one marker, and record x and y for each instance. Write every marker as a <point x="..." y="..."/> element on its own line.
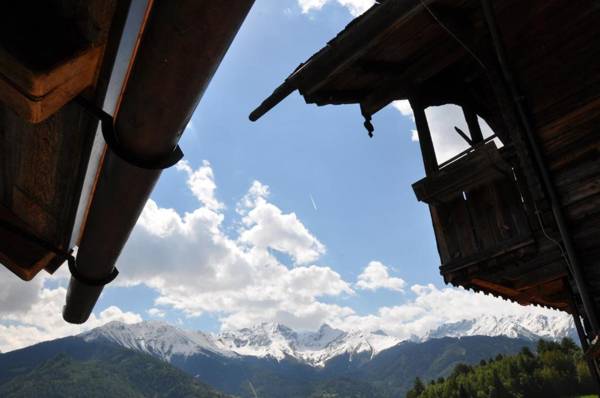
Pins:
<point x="438" y="52"/>
<point x="391" y="51"/>
<point x="67" y="180"/>
<point x="46" y="139"/>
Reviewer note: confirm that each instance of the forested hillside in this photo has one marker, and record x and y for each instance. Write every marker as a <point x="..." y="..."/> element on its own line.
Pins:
<point x="555" y="370"/>
<point x="118" y="373"/>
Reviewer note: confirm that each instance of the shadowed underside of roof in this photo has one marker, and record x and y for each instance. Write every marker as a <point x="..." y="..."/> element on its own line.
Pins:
<point x="66" y="180"/>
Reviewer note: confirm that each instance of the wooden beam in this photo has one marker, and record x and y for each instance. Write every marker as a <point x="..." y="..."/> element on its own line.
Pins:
<point x="352" y="44"/>
<point x="473" y="124"/>
<point x="530" y="297"/>
<point x="427" y="149"/>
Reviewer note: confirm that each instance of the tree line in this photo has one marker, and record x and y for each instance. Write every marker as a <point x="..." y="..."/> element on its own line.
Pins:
<point x="554" y="370"/>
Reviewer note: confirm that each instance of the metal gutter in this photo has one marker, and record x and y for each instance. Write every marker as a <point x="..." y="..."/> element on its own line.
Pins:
<point x="132" y="33"/>
<point x="182" y="45"/>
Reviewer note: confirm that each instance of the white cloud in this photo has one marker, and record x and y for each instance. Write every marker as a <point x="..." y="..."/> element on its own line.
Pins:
<point x="30" y="312"/>
<point x="156" y="312"/>
<point x="355" y="7"/>
<point x="309" y="5"/>
<point x="267" y="227"/>
<point x="376" y="276"/>
<point x="15" y="294"/>
<point x="433" y="307"/>
<point x="43" y="321"/>
<point x="202" y="183"/>
<point x="442" y="120"/>
<point x="414" y="136"/>
<point x="403" y="106"/>
<point x="196" y="267"/>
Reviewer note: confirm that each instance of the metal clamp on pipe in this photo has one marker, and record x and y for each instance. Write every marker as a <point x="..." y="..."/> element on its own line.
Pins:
<point x="127" y="178"/>
<point x="109" y="133"/>
<point x="89" y="281"/>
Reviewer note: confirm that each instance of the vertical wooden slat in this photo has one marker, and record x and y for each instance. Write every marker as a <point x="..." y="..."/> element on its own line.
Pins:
<point x="473" y="124"/>
<point x="427" y="149"/>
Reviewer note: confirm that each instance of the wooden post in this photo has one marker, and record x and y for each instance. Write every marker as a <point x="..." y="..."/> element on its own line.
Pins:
<point x="583" y="335"/>
<point x="427" y="150"/>
<point x="473" y="124"/>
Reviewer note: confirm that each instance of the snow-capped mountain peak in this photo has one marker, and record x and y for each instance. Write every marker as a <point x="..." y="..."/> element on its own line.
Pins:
<point x="157" y="338"/>
<point x="529" y="327"/>
<point x="266" y="340"/>
<point x="280" y="342"/>
<point x="315" y="348"/>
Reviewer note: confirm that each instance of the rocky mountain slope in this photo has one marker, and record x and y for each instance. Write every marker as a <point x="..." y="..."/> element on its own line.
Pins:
<point x="276" y="341"/>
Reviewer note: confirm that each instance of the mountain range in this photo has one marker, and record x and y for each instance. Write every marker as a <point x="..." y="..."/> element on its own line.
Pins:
<point x="314" y="348"/>
<point x="272" y="360"/>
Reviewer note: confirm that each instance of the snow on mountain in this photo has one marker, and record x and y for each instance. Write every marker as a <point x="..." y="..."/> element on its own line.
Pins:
<point x="530" y="327"/>
<point x="266" y="339"/>
<point x="157" y="338"/>
<point x="315" y="348"/>
<point x="272" y="340"/>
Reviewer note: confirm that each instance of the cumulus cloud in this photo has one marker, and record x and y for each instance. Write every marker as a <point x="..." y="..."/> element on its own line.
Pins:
<point x="442" y="120"/>
<point x="202" y="183"/>
<point x="308" y="5"/>
<point x="376" y="275"/>
<point x="17" y="295"/>
<point x="267" y="227"/>
<point x="42" y="320"/>
<point x="432" y="307"/>
<point x="355" y="7"/>
<point x="403" y="106"/>
<point x="156" y="312"/>
<point x="414" y="136"/>
<point x="197" y="267"/>
<point x="30" y="312"/>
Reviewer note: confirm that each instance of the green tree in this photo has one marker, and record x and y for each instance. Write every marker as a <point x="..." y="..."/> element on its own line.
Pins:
<point x="461" y="369"/>
<point x="417" y="390"/>
<point x="525" y="351"/>
<point x="556" y="370"/>
<point x="462" y="392"/>
<point x="498" y="390"/>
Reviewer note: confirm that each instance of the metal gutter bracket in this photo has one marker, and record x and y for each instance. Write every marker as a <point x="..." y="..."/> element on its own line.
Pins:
<point x="111" y="138"/>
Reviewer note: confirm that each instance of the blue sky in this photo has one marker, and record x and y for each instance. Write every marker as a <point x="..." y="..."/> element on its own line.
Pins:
<point x="299" y="218"/>
<point x="361" y="186"/>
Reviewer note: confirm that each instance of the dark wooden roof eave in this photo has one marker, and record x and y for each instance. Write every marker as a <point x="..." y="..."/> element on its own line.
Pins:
<point x="340" y="52"/>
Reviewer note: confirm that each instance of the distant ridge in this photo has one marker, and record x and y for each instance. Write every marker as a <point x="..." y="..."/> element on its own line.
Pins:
<point x="270" y="359"/>
<point x="530" y="327"/>
<point x="279" y="342"/>
<point x="70" y="362"/>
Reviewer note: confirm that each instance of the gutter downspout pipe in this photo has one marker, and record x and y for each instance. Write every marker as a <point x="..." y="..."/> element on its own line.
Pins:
<point x="573" y="262"/>
<point x="182" y="45"/>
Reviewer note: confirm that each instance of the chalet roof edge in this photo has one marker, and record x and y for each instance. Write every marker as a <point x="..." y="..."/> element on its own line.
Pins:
<point x="360" y="32"/>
